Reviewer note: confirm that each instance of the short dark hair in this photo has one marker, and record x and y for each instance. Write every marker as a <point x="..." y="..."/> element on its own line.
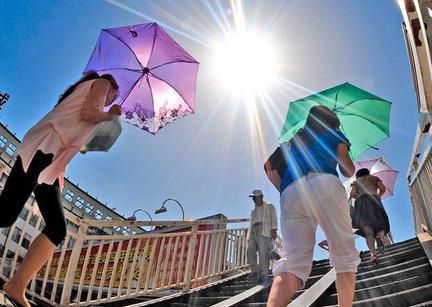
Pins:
<point x="319" y="120"/>
<point x="362" y="172"/>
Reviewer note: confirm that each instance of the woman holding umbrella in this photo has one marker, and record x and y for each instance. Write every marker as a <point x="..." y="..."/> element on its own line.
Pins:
<point x="369" y="215"/>
<point x="312" y="195"/>
<point x="43" y="155"/>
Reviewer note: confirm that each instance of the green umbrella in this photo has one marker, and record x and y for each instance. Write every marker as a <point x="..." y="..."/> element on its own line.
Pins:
<point x="364" y="117"/>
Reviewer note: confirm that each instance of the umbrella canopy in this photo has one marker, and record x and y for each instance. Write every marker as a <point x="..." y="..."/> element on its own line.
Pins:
<point x="379" y="168"/>
<point x="156" y="76"/>
<point x="364" y="117"/>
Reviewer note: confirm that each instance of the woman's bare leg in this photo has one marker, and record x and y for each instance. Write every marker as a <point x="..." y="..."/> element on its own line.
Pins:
<point x="39" y="252"/>
<point x="283" y="288"/>
<point x="345" y="285"/>
<point x="370" y="239"/>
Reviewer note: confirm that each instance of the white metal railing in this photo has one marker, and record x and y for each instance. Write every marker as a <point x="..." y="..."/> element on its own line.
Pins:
<point x="420" y="175"/>
<point x="416" y="15"/>
<point x="91" y="268"/>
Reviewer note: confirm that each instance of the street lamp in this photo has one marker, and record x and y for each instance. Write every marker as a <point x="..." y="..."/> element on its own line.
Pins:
<point x="133" y="217"/>
<point x="164" y="209"/>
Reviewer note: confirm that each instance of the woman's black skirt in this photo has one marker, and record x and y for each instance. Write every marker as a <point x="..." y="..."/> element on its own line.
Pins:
<point x="369" y="211"/>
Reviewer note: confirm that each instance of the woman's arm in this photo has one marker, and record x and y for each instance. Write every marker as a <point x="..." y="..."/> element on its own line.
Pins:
<point x="346" y="165"/>
<point x="381" y="187"/>
<point x="353" y="191"/>
<point x="98" y="93"/>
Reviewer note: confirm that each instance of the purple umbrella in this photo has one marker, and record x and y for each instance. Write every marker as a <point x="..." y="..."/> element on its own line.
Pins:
<point x="156" y="77"/>
<point x="380" y="168"/>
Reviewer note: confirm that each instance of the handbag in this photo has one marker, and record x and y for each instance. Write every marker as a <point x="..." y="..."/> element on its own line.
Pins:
<point x="104" y="136"/>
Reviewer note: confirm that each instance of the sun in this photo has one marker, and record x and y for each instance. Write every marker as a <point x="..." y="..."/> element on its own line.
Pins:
<point x="245" y="63"/>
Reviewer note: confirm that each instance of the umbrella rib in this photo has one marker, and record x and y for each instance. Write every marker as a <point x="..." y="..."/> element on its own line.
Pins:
<point x="154" y="76"/>
<point x="351" y="102"/>
<point x="172" y="62"/>
<point x="336" y="98"/>
<point x="121" y="68"/>
<point x="127" y="46"/>
<point x="151" y="91"/>
<point x="153" y="44"/>
<point x="130" y="90"/>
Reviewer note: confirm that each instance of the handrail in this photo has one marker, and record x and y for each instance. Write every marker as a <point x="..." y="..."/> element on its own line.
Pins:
<point x="106" y="223"/>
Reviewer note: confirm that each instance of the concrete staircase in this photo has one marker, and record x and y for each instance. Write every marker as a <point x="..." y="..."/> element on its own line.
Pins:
<point x="240" y="291"/>
<point x="403" y="277"/>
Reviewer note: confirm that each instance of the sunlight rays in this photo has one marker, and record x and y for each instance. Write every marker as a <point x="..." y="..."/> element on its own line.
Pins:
<point x="245" y="61"/>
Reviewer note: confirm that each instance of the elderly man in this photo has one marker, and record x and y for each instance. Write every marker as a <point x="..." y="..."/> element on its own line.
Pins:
<point x="262" y="229"/>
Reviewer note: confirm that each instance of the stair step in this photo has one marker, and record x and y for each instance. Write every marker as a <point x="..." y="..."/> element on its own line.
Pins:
<point x="405" y="298"/>
<point x="428" y="303"/>
<point x="383" y="289"/>
<point x="415" y="251"/>
<point x="206" y="301"/>
<point x="392" y="248"/>
<point x="393" y="276"/>
<point x="385" y="261"/>
<point x="378" y="270"/>
<point x="390" y="253"/>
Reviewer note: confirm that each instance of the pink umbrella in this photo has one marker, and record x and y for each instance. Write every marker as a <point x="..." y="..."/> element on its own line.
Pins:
<point x="156" y="76"/>
<point x="379" y="168"/>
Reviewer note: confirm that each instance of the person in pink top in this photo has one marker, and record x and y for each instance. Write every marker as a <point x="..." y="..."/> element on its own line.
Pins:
<point x="43" y="155"/>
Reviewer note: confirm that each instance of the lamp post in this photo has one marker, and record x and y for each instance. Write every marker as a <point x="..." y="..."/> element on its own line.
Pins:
<point x="163" y="209"/>
<point x="133" y="217"/>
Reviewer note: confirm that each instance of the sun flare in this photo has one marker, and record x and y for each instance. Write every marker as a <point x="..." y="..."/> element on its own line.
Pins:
<point x="245" y="63"/>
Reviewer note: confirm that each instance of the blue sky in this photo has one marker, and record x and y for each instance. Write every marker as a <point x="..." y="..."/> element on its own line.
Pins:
<point x="210" y="161"/>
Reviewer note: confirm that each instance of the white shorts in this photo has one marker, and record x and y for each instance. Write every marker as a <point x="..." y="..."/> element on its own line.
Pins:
<point x="316" y="199"/>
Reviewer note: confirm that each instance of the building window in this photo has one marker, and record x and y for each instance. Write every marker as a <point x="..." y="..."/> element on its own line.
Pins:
<point x="5" y="231"/>
<point x="26" y="241"/>
<point x="108" y="218"/>
<point x="69" y="195"/>
<point x="98" y="214"/>
<point x="79" y="202"/>
<point x="72" y="226"/>
<point x="24" y="213"/>
<point x="11" y="149"/>
<point x="33" y="220"/>
<point x="3" y="141"/>
<point x="3" y="179"/>
<point x="89" y="208"/>
<point x="41" y="225"/>
<point x="71" y="243"/>
<point x="10" y="254"/>
<point x="31" y="200"/>
<point x="16" y="234"/>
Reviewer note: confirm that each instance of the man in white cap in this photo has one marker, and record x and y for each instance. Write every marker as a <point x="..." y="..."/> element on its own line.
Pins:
<point x="262" y="229"/>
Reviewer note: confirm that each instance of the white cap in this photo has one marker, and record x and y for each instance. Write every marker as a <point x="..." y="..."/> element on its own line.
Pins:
<point x="256" y="193"/>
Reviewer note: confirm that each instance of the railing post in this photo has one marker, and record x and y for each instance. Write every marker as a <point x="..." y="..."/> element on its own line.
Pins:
<point x="73" y="264"/>
<point x="190" y="259"/>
